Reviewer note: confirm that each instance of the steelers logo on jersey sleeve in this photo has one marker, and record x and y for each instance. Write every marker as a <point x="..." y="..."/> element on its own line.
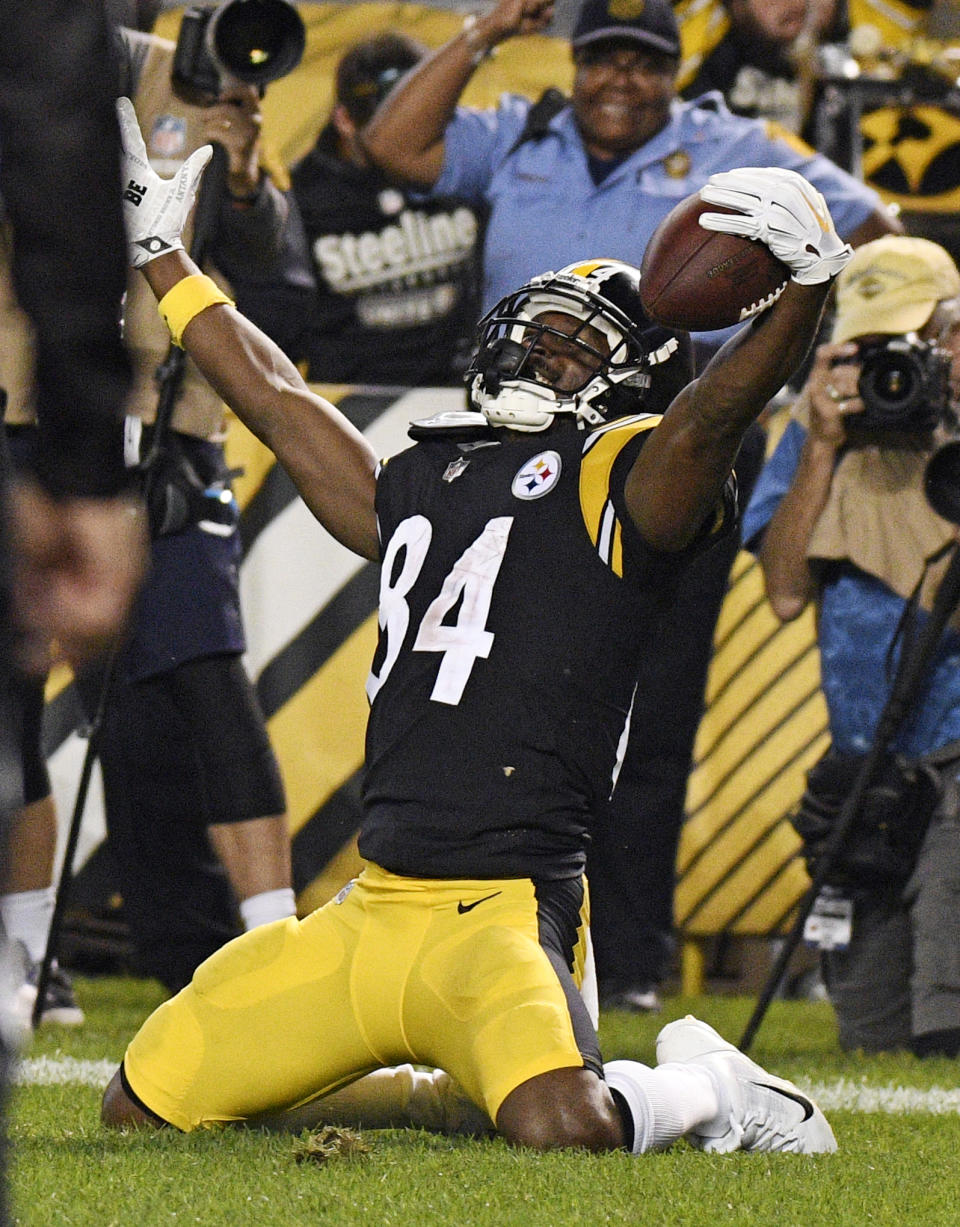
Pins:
<point x="537" y="477"/>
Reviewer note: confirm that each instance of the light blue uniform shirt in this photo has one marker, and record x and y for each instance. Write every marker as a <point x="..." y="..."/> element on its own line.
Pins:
<point x="546" y="211"/>
<point x="858" y="619"/>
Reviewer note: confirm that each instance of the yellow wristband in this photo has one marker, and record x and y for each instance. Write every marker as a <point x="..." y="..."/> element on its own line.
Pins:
<point x="188" y="298"/>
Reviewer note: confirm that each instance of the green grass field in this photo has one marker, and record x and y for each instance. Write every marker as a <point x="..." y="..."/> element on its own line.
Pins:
<point x="897" y="1121"/>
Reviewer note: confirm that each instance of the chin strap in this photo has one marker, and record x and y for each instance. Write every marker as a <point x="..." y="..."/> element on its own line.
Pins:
<point x="519" y="404"/>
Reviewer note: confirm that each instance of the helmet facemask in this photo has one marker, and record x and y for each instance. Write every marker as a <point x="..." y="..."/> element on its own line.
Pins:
<point x="504" y="382"/>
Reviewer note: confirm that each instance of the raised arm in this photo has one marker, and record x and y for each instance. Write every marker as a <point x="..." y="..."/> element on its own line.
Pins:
<point x="831" y="392"/>
<point x="678" y="476"/>
<point x="405" y="138"/>
<point x="330" y="462"/>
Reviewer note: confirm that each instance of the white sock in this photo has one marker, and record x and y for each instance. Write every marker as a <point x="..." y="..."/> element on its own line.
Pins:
<point x="663" y="1103"/>
<point x="268" y="905"/>
<point x="26" y="917"/>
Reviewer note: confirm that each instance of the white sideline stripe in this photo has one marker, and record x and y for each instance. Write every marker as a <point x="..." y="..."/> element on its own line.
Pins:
<point x="842" y="1096"/>
<point x="62" y="1071"/>
<point x="849" y="1096"/>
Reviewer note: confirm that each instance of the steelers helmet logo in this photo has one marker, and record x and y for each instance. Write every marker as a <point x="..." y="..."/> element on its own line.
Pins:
<point x="537" y="477"/>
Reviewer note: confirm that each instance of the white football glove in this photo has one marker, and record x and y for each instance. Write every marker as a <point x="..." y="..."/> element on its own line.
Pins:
<point x="782" y="210"/>
<point x="154" y="210"/>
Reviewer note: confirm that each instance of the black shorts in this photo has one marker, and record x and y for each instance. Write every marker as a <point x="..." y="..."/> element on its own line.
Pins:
<point x="27" y="694"/>
<point x="193" y="739"/>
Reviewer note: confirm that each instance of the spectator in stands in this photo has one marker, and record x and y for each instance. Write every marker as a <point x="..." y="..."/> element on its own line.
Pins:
<point x="396" y="275"/>
<point x="599" y="173"/>
<point x="757" y="53"/>
<point x="184" y="752"/>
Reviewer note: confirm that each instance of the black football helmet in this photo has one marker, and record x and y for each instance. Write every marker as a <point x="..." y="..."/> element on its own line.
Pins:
<point x="602" y="294"/>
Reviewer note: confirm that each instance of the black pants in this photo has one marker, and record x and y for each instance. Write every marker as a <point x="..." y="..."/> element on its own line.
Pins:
<point x="631" y="864"/>
<point x="10" y="785"/>
<point x="178" y="753"/>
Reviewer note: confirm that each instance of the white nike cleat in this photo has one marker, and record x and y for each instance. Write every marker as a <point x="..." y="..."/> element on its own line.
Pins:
<point x="758" y="1111"/>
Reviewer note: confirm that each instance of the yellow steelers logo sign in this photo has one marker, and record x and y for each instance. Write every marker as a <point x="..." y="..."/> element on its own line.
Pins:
<point x="912" y="156"/>
<point x="626" y="10"/>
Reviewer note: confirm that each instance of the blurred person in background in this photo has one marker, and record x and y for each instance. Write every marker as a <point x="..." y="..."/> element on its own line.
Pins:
<point x="396" y="274"/>
<point x="839" y="517"/>
<point x="194" y="802"/>
<point x="72" y="537"/>
<point x="607" y="166"/>
<point x="760" y="54"/>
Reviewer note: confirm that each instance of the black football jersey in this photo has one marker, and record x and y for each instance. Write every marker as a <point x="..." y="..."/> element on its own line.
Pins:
<point x="509" y="647"/>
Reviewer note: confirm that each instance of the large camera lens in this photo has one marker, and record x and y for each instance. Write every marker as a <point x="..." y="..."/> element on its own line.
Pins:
<point x="254" y="41"/>
<point x="903" y="385"/>
<point x="257" y="41"/>
<point x="941" y="481"/>
<point x="890" y="380"/>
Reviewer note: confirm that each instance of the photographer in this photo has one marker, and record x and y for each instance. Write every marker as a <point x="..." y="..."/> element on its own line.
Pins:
<point x="194" y="803"/>
<point x="839" y="517"/>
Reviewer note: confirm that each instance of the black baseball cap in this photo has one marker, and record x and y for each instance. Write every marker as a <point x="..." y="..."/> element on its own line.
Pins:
<point x="370" y="69"/>
<point x="649" y="22"/>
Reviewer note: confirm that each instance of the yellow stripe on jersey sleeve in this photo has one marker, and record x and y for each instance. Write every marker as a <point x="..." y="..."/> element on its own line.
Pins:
<point x="600" y="452"/>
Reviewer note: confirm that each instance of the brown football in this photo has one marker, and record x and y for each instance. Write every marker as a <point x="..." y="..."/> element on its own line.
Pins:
<point x="699" y="280"/>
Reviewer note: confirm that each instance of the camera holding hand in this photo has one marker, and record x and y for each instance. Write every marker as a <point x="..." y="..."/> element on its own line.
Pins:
<point x="220" y="47"/>
<point x="253" y="41"/>
<point x="904" y="384"/>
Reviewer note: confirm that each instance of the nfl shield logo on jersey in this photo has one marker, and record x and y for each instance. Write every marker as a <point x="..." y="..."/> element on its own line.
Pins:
<point x="537" y="477"/>
<point x="455" y="468"/>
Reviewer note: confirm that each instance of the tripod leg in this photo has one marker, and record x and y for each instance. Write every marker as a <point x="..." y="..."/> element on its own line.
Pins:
<point x="66" y="878"/>
<point x="70" y="852"/>
<point x="776" y="974"/>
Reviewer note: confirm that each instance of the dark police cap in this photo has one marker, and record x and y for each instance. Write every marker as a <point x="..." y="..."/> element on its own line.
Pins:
<point x="648" y="22"/>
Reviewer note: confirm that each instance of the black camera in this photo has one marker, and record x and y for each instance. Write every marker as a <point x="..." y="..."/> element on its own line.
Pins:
<point x="181" y="493"/>
<point x="904" y="385"/>
<point x="254" y="41"/>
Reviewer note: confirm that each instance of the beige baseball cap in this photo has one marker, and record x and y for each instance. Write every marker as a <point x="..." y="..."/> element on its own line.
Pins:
<point x="892" y="286"/>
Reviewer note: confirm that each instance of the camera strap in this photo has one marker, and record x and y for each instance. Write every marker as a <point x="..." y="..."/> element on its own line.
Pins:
<point x="906" y="629"/>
